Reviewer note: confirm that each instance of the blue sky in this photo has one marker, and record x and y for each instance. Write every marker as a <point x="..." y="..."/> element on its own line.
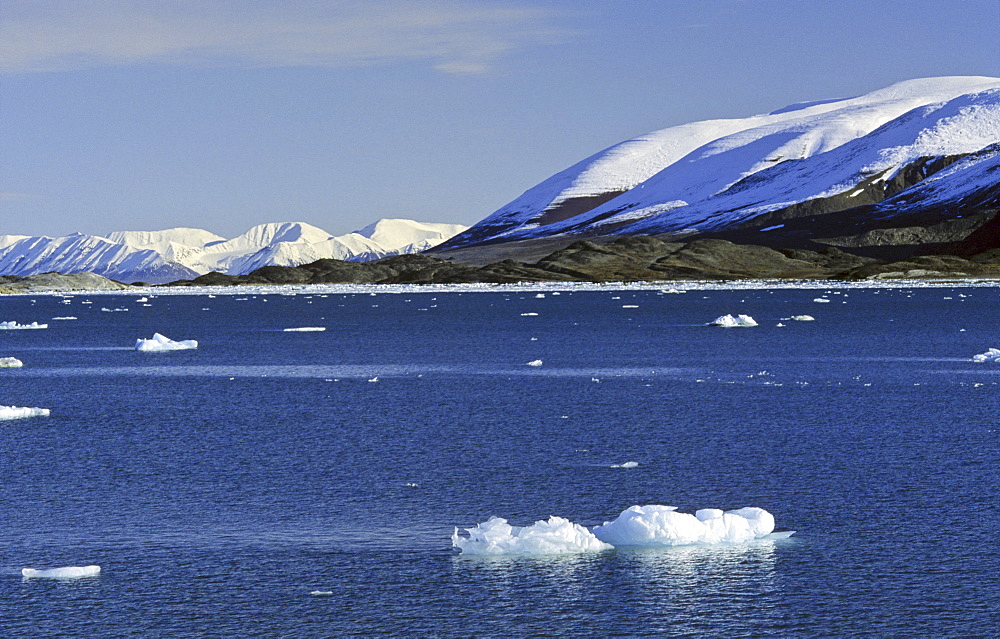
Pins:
<point x="225" y="114"/>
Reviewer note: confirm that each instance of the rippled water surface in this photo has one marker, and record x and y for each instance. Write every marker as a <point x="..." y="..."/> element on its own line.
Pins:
<point x="219" y="488"/>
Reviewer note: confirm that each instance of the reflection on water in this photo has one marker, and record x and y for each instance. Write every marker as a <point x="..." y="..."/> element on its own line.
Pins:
<point x="696" y="590"/>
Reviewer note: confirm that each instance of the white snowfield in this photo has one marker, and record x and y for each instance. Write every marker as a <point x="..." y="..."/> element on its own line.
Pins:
<point x="10" y="362"/>
<point x="992" y="355"/>
<point x="644" y="526"/>
<point x="19" y="412"/>
<point x="67" y="572"/>
<point x="713" y="173"/>
<point x="14" y="326"/>
<point x="161" y="343"/>
<point x="730" y="321"/>
<point x="157" y="257"/>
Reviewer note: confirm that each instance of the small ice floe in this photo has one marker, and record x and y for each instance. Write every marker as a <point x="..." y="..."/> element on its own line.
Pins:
<point x="992" y="355"/>
<point x="596" y="380"/>
<point x="630" y="306"/>
<point x="672" y="291"/>
<point x="535" y="362"/>
<point x="305" y="329"/>
<point x="540" y="296"/>
<point x="529" y="314"/>
<point x="143" y="299"/>
<point x="10" y="362"/>
<point x="373" y="379"/>
<point x="728" y="321"/>
<point x="67" y="572"/>
<point x="780" y="325"/>
<point x="321" y="593"/>
<point x="552" y="536"/>
<point x="821" y="300"/>
<point x="105" y="309"/>
<point x="161" y="343"/>
<point x="802" y="318"/>
<point x="66" y="318"/>
<point x="19" y="412"/>
<point x="664" y="526"/>
<point x="14" y="326"/>
<point x="628" y="464"/>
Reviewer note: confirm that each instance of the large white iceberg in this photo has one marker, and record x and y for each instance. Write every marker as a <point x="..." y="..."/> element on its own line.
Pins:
<point x="728" y="321"/>
<point x="305" y="329"/>
<point x="664" y="526"/>
<point x="14" y="326"/>
<point x="67" y="572"/>
<point x="10" y="362"/>
<point x="19" y="412"/>
<point x="552" y="536"/>
<point x="992" y="355"/>
<point x="161" y="343"/>
<point x="645" y="526"/>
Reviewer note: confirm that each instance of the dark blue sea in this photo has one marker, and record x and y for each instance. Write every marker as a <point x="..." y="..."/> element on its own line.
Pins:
<point x="219" y="488"/>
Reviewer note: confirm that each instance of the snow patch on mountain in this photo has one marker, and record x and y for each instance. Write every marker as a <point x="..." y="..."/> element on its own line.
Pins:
<point x="710" y="174"/>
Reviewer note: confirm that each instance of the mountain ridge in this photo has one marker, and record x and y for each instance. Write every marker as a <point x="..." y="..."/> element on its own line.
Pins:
<point x="182" y="253"/>
<point x="714" y="176"/>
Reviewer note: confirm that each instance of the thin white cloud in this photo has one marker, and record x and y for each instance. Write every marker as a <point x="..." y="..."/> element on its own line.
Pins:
<point x="453" y="36"/>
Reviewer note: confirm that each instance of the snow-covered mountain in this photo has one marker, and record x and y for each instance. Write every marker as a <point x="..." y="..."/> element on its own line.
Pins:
<point x="720" y="174"/>
<point x="182" y="253"/>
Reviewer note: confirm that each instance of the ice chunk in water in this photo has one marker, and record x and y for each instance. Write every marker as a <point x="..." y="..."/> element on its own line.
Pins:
<point x="68" y="572"/>
<point x="160" y="343"/>
<point x="992" y="355"/>
<point x="535" y="362"/>
<point x="628" y="464"/>
<point x="552" y="536"/>
<point x="664" y="526"/>
<point x="728" y="321"/>
<point x="306" y="329"/>
<point x="14" y="326"/>
<point x="10" y="362"/>
<point x="803" y="318"/>
<point x="18" y="412"/>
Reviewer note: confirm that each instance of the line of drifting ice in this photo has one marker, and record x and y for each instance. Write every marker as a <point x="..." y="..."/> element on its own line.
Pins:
<point x="14" y="326"/>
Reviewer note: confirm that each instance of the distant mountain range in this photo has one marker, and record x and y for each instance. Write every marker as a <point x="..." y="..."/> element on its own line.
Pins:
<point x="915" y="163"/>
<point x="157" y="257"/>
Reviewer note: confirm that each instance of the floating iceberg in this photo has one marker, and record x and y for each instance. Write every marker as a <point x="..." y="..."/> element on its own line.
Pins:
<point x="992" y="355"/>
<point x="68" y="572"/>
<point x="535" y="362"/>
<point x="647" y="526"/>
<point x="664" y="526"/>
<point x="161" y="343"/>
<point x="802" y="318"/>
<point x="728" y="321"/>
<point x="821" y="300"/>
<point x="14" y="326"/>
<point x="305" y="329"/>
<point x="10" y="362"/>
<point x="18" y="412"/>
<point x="68" y="317"/>
<point x="628" y="464"/>
<point x="552" y="536"/>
